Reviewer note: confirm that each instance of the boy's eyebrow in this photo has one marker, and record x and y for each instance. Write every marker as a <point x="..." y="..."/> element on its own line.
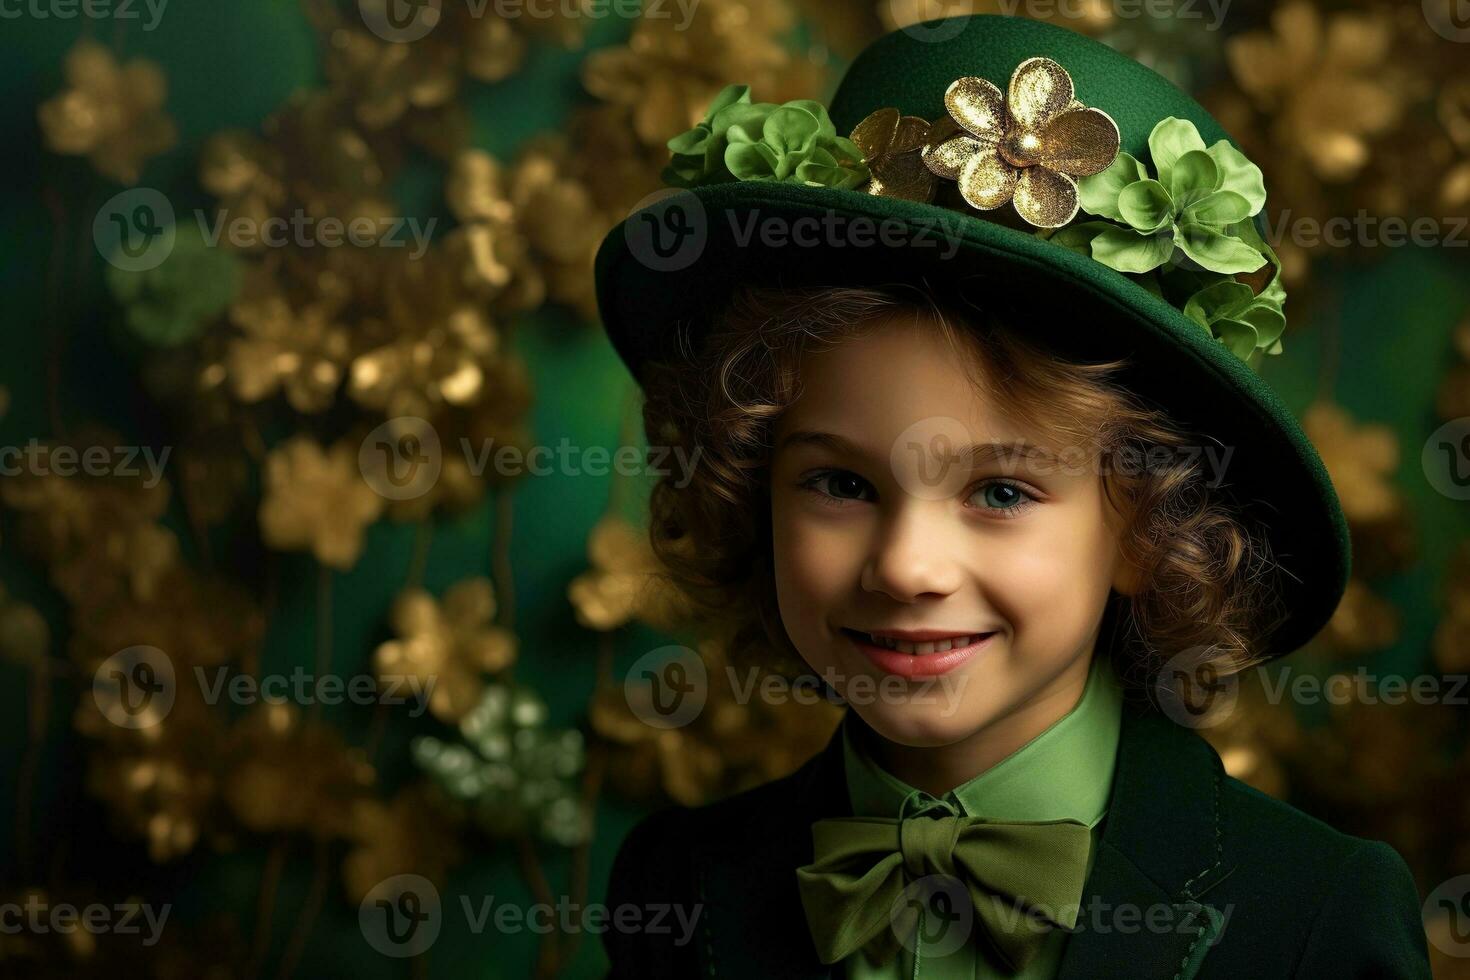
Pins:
<point x="975" y="455"/>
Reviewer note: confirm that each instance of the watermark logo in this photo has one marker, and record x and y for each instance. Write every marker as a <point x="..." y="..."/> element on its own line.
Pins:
<point x="933" y="913"/>
<point x="401" y="916"/>
<point x="925" y="458"/>
<point x="401" y="459"/>
<point x="1447" y="916"/>
<point x="1446" y="459"/>
<point x="135" y="687"/>
<point x="1191" y="690"/>
<point x="400" y="21"/>
<point x="1450" y="19"/>
<point x="667" y="230"/>
<point x="134" y="230"/>
<point x="667" y="687"/>
<point x="931" y="21"/>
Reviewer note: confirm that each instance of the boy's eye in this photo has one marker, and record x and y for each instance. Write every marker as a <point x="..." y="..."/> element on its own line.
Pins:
<point x="838" y="484"/>
<point x="832" y="486"/>
<point x="1002" y="496"/>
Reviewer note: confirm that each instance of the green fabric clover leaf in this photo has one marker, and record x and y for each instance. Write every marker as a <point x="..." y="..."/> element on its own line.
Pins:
<point x="1231" y="309"/>
<point x="171" y="303"/>
<point x="1195" y="204"/>
<point x="1245" y="321"/>
<point x="741" y="140"/>
<point x="511" y="773"/>
<point x="1202" y="203"/>
<point x="699" y="154"/>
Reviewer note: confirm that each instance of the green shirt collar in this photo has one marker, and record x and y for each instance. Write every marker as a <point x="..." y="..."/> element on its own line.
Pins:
<point x="1065" y="772"/>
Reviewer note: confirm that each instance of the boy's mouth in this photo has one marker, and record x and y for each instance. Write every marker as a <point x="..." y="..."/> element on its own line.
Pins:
<point x="941" y="645"/>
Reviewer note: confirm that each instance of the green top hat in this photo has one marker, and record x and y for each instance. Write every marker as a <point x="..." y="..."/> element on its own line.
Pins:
<point x="1081" y="194"/>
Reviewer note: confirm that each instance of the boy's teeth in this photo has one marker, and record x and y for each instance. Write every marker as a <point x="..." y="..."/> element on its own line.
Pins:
<point x="933" y="646"/>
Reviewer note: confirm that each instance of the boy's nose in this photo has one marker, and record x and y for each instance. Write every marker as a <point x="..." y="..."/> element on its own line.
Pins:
<point x="915" y="556"/>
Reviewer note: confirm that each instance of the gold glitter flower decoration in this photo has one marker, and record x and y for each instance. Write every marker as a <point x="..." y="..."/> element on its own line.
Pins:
<point x="25" y="637"/>
<point x="411" y="833"/>
<point x="442" y="343"/>
<point x="199" y="619"/>
<point x="664" y="77"/>
<point x="316" y="500"/>
<point x="246" y="174"/>
<point x="893" y="146"/>
<point x="736" y="743"/>
<point x="1360" y="459"/>
<point x="624" y="582"/>
<point x="385" y="79"/>
<point x="562" y="225"/>
<point x="490" y="248"/>
<point x="298" y="348"/>
<point x="160" y="782"/>
<point x="1451" y="644"/>
<point x="112" y="114"/>
<point x="1363" y="623"/>
<point x="1452" y="401"/>
<point x="1025" y="147"/>
<point x="1257" y="739"/>
<point x="1083" y="16"/>
<point x="1327" y="83"/>
<point x="289" y="774"/>
<point x="447" y="646"/>
<point x="101" y="536"/>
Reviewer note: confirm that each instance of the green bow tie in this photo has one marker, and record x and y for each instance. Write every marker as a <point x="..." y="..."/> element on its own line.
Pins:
<point x="1013" y="873"/>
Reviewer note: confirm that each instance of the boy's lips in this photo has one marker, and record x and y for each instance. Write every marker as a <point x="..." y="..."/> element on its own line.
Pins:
<point x="915" y="664"/>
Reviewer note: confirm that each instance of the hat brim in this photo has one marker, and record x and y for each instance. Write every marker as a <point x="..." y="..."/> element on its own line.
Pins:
<point x="669" y="266"/>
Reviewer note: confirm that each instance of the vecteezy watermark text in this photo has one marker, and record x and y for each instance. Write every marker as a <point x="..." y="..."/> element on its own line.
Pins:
<point x="136" y="688"/>
<point x="302" y="230"/>
<point x="124" y="10"/>
<point x="301" y="687"/>
<point x="403" y="458"/>
<point x="40" y="459"/>
<point x="406" y="21"/>
<point x="37" y="916"/>
<point x="402" y="916"/>
<point x="669" y="687"/>
<point x="137" y="230"/>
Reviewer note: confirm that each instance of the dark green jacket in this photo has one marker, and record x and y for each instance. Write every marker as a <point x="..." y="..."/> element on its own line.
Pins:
<point x="1238" y="884"/>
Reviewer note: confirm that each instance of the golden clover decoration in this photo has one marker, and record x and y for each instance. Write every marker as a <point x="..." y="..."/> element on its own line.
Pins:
<point x="1026" y="147"/>
<point x="892" y="145"/>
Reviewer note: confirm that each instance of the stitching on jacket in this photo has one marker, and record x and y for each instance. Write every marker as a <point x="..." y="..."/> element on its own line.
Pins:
<point x="709" y="945"/>
<point x="1219" y="847"/>
<point x="1189" y="953"/>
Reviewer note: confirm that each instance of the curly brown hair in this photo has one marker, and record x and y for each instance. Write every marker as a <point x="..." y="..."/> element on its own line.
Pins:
<point x="1206" y="577"/>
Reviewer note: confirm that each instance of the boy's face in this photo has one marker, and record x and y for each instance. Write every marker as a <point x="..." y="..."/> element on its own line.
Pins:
<point x="872" y="533"/>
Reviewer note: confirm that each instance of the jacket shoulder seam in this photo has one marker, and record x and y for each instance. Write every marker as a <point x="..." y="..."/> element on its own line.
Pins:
<point x="1318" y="916"/>
<point x="1187" y="890"/>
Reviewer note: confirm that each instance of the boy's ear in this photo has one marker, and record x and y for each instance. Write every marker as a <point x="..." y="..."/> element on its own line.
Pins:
<point x="1127" y="577"/>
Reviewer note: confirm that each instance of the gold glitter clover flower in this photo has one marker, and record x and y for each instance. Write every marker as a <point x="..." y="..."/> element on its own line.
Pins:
<point x="315" y="499"/>
<point x="892" y="146"/>
<point x="111" y="113"/>
<point x="447" y="644"/>
<point x="1026" y="147"/>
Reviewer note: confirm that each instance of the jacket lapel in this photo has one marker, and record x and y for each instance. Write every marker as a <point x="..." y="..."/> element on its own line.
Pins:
<point x="1159" y="850"/>
<point x="757" y="926"/>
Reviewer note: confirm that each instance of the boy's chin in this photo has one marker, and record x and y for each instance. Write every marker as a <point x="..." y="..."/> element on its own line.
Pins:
<point x="925" y="726"/>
